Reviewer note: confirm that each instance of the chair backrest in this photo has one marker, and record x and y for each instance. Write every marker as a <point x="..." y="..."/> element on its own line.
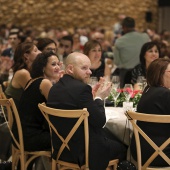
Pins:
<point x="1" y="88"/>
<point x="2" y="95"/>
<point x="81" y="115"/>
<point x="8" y="106"/>
<point x="133" y="117"/>
<point x="6" y="84"/>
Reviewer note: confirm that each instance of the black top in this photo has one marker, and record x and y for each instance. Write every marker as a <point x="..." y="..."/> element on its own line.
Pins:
<point x="32" y="121"/>
<point x="99" y="72"/>
<point x="137" y="71"/>
<point x="155" y="100"/>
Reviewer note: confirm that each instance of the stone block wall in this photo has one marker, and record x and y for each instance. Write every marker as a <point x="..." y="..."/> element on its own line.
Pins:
<point x="76" y="13"/>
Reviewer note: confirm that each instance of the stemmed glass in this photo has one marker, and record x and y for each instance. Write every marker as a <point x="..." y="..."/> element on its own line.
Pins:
<point x="115" y="92"/>
<point x="93" y="81"/>
<point x="141" y="81"/>
<point x="128" y="91"/>
<point x="115" y="80"/>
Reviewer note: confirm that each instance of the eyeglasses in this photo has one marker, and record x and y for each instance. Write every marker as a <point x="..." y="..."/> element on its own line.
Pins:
<point x="51" y="49"/>
<point x="62" y="45"/>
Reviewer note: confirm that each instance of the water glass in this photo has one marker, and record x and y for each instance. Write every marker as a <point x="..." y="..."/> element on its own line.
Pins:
<point x="128" y="91"/>
<point x="127" y="106"/>
<point x="93" y="81"/>
<point x="115" y="92"/>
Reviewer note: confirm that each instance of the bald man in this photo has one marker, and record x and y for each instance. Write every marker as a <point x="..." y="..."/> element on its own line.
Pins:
<point x="73" y="92"/>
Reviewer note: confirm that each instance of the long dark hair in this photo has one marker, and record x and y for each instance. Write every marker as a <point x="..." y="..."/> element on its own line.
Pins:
<point x="19" y="61"/>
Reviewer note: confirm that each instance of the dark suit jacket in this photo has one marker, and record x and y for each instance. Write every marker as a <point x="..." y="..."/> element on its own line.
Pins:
<point x="156" y="100"/>
<point x="70" y="93"/>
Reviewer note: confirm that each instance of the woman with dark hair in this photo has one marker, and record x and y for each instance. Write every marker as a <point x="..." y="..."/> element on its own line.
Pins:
<point x="24" y="55"/>
<point x="149" y="52"/>
<point x="99" y="68"/>
<point x="155" y="100"/>
<point x="44" y="70"/>
<point x="46" y="44"/>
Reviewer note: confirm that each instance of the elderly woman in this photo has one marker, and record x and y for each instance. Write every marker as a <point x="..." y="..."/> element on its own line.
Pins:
<point x="149" y="52"/>
<point x="98" y="67"/>
<point x="155" y="100"/>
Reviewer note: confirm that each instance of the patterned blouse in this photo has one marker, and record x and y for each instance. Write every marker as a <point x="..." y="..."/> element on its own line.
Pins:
<point x="138" y="70"/>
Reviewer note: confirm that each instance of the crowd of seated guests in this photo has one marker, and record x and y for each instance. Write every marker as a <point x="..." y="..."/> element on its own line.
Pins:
<point x="27" y="80"/>
<point x="76" y="39"/>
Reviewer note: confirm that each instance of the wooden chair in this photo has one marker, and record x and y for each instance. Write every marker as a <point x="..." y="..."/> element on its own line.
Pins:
<point x="6" y="84"/>
<point x="82" y="116"/>
<point x="2" y="95"/>
<point x="18" y="153"/>
<point x="133" y="117"/>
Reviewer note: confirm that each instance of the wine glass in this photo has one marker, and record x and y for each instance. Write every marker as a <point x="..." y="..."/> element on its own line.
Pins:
<point x="93" y="81"/>
<point x="115" y="81"/>
<point x="115" y="92"/>
<point x="128" y="91"/>
<point x="141" y="82"/>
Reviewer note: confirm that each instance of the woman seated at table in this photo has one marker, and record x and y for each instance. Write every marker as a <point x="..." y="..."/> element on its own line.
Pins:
<point x="24" y="55"/>
<point x="149" y="52"/>
<point x="45" y="69"/>
<point x="99" y="68"/>
<point x="155" y="100"/>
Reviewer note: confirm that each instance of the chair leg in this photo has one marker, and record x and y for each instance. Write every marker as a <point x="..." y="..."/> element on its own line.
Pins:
<point x="54" y="167"/>
<point x="115" y="167"/>
<point x="22" y="162"/>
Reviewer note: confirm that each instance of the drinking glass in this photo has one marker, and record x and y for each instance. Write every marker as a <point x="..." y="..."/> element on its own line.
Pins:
<point x="141" y="81"/>
<point x="115" y="81"/>
<point x="115" y="92"/>
<point x="105" y="83"/>
<point x="128" y="91"/>
<point x="93" y="81"/>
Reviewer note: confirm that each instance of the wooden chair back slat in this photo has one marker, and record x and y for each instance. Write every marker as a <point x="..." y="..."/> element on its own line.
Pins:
<point x="133" y="117"/>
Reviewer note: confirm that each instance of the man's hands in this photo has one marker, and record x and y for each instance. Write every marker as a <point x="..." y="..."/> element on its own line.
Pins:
<point x="101" y="89"/>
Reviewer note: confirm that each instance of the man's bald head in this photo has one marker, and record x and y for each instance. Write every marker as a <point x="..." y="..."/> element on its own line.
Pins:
<point x="74" y="58"/>
<point x="78" y="65"/>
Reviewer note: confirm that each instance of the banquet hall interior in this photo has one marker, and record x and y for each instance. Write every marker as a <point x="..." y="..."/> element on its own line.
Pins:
<point x="69" y="25"/>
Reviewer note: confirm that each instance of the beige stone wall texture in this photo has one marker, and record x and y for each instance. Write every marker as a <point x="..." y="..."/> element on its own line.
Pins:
<point x="76" y="13"/>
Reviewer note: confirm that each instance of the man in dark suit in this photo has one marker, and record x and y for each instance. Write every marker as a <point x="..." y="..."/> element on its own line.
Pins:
<point x="73" y="92"/>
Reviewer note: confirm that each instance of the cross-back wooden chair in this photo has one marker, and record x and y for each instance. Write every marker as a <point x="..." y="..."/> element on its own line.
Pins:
<point x="18" y="152"/>
<point x="6" y="84"/>
<point x="133" y="117"/>
<point x="82" y="116"/>
<point x="2" y="95"/>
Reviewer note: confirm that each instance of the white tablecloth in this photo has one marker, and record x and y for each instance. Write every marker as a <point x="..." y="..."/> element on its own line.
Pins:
<point x="118" y="123"/>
